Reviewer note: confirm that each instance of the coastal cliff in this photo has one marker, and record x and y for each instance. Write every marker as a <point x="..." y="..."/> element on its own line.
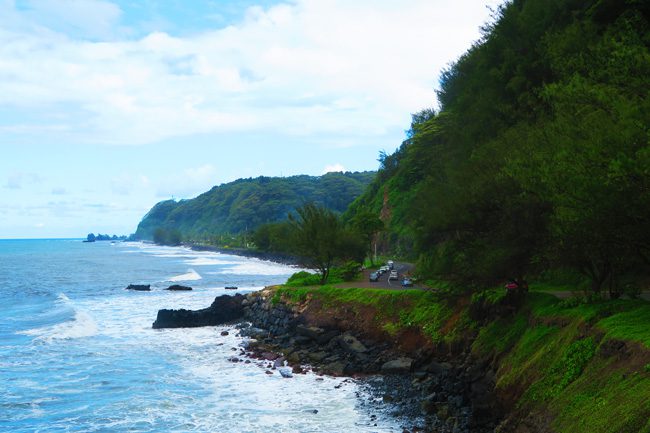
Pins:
<point x="489" y="362"/>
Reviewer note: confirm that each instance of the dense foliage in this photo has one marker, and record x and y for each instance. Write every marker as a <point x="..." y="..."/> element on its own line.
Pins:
<point x="320" y="238"/>
<point x="243" y="205"/>
<point x="539" y="156"/>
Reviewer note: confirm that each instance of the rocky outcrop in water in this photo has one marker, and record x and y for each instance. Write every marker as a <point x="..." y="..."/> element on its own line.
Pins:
<point x="178" y="287"/>
<point x="139" y="287"/>
<point x="224" y="309"/>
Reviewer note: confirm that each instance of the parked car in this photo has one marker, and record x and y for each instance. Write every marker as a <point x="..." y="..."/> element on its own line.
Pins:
<point x="374" y="277"/>
<point x="393" y="275"/>
<point x="390" y="264"/>
<point x="384" y="269"/>
<point x="407" y="282"/>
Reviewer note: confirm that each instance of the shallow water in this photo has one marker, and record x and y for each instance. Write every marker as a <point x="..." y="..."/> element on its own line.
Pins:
<point x="78" y="354"/>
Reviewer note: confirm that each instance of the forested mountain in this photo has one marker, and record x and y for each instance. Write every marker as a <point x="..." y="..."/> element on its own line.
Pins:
<point x="539" y="155"/>
<point x="244" y="204"/>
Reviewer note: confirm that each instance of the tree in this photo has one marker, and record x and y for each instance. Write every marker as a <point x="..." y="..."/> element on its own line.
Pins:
<point x="367" y="224"/>
<point x="320" y="238"/>
<point x="167" y="237"/>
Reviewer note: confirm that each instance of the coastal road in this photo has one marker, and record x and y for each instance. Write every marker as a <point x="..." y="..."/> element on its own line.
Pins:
<point x="402" y="269"/>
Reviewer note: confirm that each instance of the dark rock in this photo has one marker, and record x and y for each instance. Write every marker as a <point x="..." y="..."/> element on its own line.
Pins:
<point x="224" y="309"/>
<point x="438" y="368"/>
<point x="325" y="337"/>
<point x="311" y="332"/>
<point x="178" y="287"/>
<point x="350" y="344"/>
<point x="139" y="287"/>
<point x="399" y="365"/>
<point x="335" y="368"/>
<point x="270" y="356"/>
<point x="224" y="333"/>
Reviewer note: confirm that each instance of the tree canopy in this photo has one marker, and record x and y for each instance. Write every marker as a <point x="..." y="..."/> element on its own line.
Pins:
<point x="245" y="204"/>
<point x="538" y="156"/>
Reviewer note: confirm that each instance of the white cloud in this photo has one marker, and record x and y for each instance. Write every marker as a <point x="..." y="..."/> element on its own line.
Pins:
<point x="126" y="183"/>
<point x="17" y="180"/>
<point x="333" y="168"/>
<point x="188" y="183"/>
<point x="326" y="67"/>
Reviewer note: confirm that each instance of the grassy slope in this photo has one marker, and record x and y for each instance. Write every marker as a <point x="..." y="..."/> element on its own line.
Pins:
<point x="555" y="357"/>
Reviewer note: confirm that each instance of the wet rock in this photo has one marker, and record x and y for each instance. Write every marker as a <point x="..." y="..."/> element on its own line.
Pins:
<point x="139" y="287"/>
<point x="335" y="368"/>
<point x="397" y="366"/>
<point x="224" y="333"/>
<point x="224" y="309"/>
<point x="178" y="287"/>
<point x="270" y="356"/>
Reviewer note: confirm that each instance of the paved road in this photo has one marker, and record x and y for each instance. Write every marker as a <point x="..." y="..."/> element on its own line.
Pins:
<point x="383" y="283"/>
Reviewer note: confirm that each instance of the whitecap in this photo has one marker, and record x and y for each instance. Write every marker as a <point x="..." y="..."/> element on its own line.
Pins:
<point x="259" y="267"/>
<point x="207" y="261"/>
<point x="82" y="325"/>
<point x="191" y="275"/>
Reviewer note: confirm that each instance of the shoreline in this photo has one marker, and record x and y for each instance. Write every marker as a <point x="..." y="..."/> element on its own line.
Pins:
<point x="283" y="259"/>
<point x="425" y="388"/>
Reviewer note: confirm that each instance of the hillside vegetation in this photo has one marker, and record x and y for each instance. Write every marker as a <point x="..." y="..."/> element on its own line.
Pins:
<point x="243" y="205"/>
<point x="561" y="366"/>
<point x="538" y="158"/>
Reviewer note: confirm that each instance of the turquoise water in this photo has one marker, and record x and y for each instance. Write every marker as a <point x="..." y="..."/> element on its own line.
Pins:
<point x="77" y="352"/>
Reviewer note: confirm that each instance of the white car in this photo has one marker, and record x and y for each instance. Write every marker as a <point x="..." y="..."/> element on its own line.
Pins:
<point x="393" y="275"/>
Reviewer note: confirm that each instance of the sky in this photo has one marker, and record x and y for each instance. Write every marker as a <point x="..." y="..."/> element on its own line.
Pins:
<point x="107" y="107"/>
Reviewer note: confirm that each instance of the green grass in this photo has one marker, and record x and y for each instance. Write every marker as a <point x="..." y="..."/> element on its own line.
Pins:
<point x="633" y="325"/>
<point x="303" y="278"/>
<point x="604" y="401"/>
<point x="547" y="351"/>
<point x="395" y="310"/>
<point x="500" y="335"/>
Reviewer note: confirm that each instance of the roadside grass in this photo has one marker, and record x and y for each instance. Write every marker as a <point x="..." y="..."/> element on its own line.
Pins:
<point x="548" y="350"/>
<point x="603" y="400"/>
<point x="395" y="310"/>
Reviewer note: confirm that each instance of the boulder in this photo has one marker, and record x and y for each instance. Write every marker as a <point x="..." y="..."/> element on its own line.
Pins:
<point x="350" y="344"/>
<point x="224" y="309"/>
<point x="178" y="287"/>
<point x="139" y="287"/>
<point x="309" y="331"/>
<point x="398" y="366"/>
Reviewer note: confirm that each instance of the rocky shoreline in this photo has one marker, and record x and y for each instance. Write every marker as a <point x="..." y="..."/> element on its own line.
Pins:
<point x="434" y="392"/>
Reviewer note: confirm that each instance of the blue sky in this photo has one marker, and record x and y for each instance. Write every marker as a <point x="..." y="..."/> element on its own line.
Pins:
<point x="107" y="107"/>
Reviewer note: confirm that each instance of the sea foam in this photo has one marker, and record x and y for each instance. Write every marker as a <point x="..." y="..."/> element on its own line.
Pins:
<point x="80" y="325"/>
<point x="191" y="275"/>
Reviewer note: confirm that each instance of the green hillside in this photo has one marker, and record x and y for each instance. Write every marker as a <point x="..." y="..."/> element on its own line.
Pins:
<point x="539" y="156"/>
<point x="244" y="204"/>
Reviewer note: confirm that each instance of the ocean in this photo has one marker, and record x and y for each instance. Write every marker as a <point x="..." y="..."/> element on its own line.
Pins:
<point x="78" y="354"/>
